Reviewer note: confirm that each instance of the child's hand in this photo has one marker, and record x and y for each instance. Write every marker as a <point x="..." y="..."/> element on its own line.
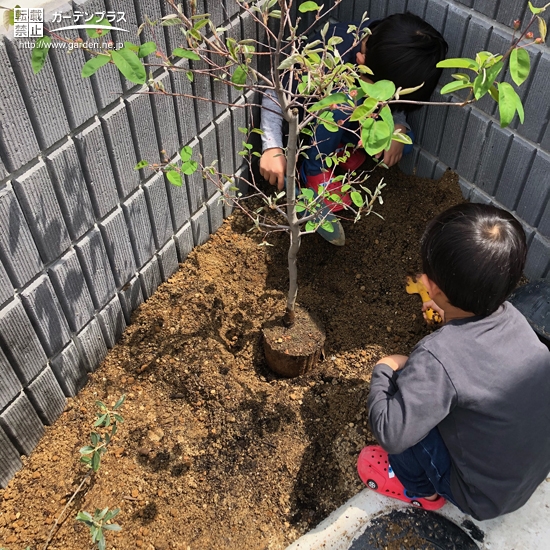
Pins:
<point x="395" y="152"/>
<point x="395" y="362"/>
<point x="273" y="167"/>
<point x="435" y="307"/>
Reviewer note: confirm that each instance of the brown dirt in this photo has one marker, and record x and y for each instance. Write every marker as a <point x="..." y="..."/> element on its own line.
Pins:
<point x="216" y="451"/>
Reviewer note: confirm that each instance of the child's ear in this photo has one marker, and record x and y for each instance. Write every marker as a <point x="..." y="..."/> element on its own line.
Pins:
<point x="431" y="287"/>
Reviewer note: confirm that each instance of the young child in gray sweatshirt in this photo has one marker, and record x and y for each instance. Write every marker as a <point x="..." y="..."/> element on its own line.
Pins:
<point x="466" y="417"/>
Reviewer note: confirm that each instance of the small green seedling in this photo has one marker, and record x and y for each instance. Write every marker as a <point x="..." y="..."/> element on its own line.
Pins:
<point x="106" y="418"/>
<point x="98" y="523"/>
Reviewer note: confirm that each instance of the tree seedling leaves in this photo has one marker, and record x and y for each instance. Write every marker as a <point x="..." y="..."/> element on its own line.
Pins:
<point x="239" y="76"/>
<point x="189" y="167"/>
<point x="381" y="90"/>
<point x="401" y="138"/>
<point x="485" y="79"/>
<point x="92" y="65"/>
<point x="459" y="63"/>
<point x="387" y="117"/>
<point x="327" y="226"/>
<point x="146" y="49"/>
<point x="308" y="6"/>
<point x="112" y="527"/>
<point x="100" y="22"/>
<point x="535" y="10"/>
<point x="543" y="28"/>
<point x="129" y="65"/>
<point x="520" y="64"/>
<point x="96" y="461"/>
<point x="327" y="120"/>
<point x="406" y="91"/>
<point x="131" y="46"/>
<point x="40" y="53"/>
<point x="357" y="199"/>
<point x="185" y="153"/>
<point x="174" y="178"/>
<point x="378" y="138"/>
<point x="333" y="99"/>
<point x="119" y="403"/>
<point x="311" y="226"/>
<point x="187" y="54"/>
<point x="509" y="103"/>
<point x="309" y="194"/>
<point x="141" y="164"/>
<point x="364" y="110"/>
<point x="455" y="86"/>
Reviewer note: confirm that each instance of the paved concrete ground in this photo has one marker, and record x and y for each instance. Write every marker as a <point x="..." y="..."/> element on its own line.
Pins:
<point x="526" y="529"/>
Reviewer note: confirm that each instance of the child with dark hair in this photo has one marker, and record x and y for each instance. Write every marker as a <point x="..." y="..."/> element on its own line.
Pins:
<point x="466" y="417"/>
<point x="402" y="48"/>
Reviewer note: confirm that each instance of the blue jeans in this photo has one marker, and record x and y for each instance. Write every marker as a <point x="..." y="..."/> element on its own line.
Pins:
<point x="328" y="142"/>
<point x="425" y="468"/>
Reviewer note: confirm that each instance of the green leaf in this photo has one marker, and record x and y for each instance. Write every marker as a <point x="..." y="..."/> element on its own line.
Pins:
<point x="401" y="138"/>
<point x="494" y="93"/>
<point x="311" y="226"/>
<point x="455" y="86"/>
<point x="141" y="164"/>
<point x="96" y="461"/>
<point x="103" y="418"/>
<point x="92" y="65"/>
<point x="378" y="138"/>
<point x="239" y="76"/>
<point x="146" y="49"/>
<point x="381" y="90"/>
<point x="189" y="167"/>
<point x="86" y="460"/>
<point x="40" y="53"/>
<point x="112" y="514"/>
<point x="300" y="207"/>
<point x="86" y="450"/>
<point x="85" y="517"/>
<point x="119" y="403"/>
<point x="187" y="54"/>
<point x="387" y="117"/>
<point x="520" y="64"/>
<point x="95" y="438"/>
<point x="129" y="65"/>
<point x="365" y="109"/>
<point x="131" y="46"/>
<point x="308" y="6"/>
<point x="186" y="153"/>
<point x="543" y="28"/>
<point x="486" y="79"/>
<point x="174" y="178"/>
<point x="308" y="193"/>
<point x="458" y="63"/>
<point x="327" y="120"/>
<point x="509" y="103"/>
<point x="333" y="99"/>
<point x="535" y="10"/>
<point x="96" y="33"/>
<point x="112" y="527"/>
<point x="327" y="226"/>
<point x="357" y="199"/>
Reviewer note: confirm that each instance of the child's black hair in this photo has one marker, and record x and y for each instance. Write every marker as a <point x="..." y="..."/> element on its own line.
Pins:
<point x="475" y="253"/>
<point x="405" y="49"/>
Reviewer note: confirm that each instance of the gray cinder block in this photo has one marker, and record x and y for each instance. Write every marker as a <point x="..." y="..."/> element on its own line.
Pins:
<point x="159" y="211"/>
<point x="226" y="159"/>
<point x="209" y="151"/>
<point x="72" y="290"/>
<point x="46" y="396"/>
<point x="440" y="169"/>
<point x="38" y="200"/>
<point x="508" y="10"/>
<point x="216" y="10"/>
<point x="143" y="126"/>
<point x="150" y="9"/>
<point x="538" y="256"/>
<point x="518" y="161"/>
<point x="231" y="8"/>
<point x="71" y="189"/>
<point x="486" y="7"/>
<point x="202" y="88"/>
<point x="97" y="170"/>
<point x="418" y="7"/>
<point x="111" y="321"/>
<point x="408" y="162"/>
<point x="41" y="95"/>
<point x="455" y="125"/>
<point x="476" y="195"/>
<point x="466" y="188"/>
<point x="435" y="14"/>
<point x="131" y="297"/>
<point x="22" y="424"/>
<point x="3" y="171"/>
<point x="425" y="165"/>
<point x="91" y="345"/>
<point x="95" y="265"/>
<point x="139" y="225"/>
<point x="456" y="24"/>
<point x="536" y="101"/>
<point x="536" y="193"/>
<point x="69" y="370"/>
<point x="150" y="278"/>
<point x="200" y="226"/>
<point x="20" y="343"/>
<point x="119" y="248"/>
<point x="6" y="288"/>
<point x="120" y="146"/>
<point x="228" y="194"/>
<point x="477" y="37"/>
<point x="165" y="116"/>
<point x="378" y="10"/>
<point x="195" y="183"/>
<point x="106" y="82"/>
<point x="14" y="119"/>
<point x="185" y="106"/>
<point x="77" y="92"/>
<point x="9" y="460"/>
<point x="178" y="201"/>
<point x="238" y="120"/>
<point x="168" y="260"/>
<point x="396" y="6"/>
<point x="544" y="224"/>
<point x="493" y="155"/>
<point x="474" y="139"/>
<point x="10" y="385"/>
<point x="184" y="241"/>
<point x="215" y="211"/>
<point x="46" y="315"/>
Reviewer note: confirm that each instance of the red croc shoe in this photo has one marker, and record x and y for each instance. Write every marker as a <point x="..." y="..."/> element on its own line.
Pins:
<point x="325" y="178"/>
<point x="376" y="473"/>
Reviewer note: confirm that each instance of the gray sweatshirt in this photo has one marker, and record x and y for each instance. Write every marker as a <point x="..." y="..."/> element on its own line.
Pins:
<point x="485" y="383"/>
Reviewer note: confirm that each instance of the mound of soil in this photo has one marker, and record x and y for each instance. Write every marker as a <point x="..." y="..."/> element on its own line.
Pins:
<point x="216" y="451"/>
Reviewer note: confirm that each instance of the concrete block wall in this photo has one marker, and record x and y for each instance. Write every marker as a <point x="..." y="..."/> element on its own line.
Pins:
<point x="506" y="167"/>
<point x="85" y="238"/>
